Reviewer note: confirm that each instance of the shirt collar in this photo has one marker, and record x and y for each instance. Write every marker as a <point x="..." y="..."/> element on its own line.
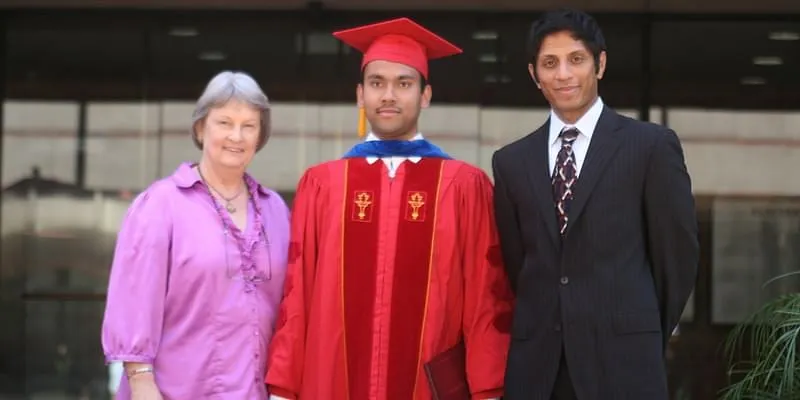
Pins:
<point x="585" y="123"/>
<point x="185" y="176"/>
<point x="371" y="137"/>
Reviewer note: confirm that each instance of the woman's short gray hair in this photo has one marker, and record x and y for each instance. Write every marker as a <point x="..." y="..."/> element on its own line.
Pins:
<point x="227" y="86"/>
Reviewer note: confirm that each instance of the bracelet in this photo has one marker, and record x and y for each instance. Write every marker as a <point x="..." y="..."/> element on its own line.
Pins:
<point x="138" y="371"/>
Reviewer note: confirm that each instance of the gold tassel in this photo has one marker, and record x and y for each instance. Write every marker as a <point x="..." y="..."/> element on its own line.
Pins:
<point x="362" y="122"/>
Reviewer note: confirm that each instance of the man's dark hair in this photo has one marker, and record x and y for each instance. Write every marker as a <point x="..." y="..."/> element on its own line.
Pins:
<point x="581" y="25"/>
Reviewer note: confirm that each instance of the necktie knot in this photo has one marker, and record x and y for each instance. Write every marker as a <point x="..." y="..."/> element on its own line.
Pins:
<point x="568" y="135"/>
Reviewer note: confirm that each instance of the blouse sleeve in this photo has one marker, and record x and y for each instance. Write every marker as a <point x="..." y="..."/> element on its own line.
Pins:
<point x="137" y="285"/>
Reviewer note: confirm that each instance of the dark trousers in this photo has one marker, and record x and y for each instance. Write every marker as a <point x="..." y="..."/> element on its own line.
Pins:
<point x="563" y="389"/>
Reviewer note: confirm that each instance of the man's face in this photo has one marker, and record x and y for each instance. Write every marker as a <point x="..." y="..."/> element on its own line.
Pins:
<point x="392" y="97"/>
<point x="565" y="72"/>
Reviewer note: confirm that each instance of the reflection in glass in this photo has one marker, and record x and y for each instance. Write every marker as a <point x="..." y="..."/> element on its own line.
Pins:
<point x="62" y="201"/>
<point x="63" y="362"/>
<point x="754" y="242"/>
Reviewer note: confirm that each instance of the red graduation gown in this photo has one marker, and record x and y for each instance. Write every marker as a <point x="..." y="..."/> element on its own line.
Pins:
<point x="386" y="273"/>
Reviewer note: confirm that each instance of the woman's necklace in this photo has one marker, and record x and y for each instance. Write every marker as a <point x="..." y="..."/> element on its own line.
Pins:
<point x="228" y="200"/>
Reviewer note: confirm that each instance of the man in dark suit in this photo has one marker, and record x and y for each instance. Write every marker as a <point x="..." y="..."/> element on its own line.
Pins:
<point x="598" y="232"/>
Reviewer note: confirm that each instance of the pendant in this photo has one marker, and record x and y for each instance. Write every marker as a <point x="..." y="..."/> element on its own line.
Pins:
<point x="231" y="209"/>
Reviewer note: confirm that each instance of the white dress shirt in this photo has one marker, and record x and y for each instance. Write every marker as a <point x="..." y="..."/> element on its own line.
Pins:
<point x="585" y="125"/>
<point x="393" y="163"/>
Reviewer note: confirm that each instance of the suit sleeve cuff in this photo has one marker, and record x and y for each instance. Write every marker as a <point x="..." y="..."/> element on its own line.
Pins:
<point x="282" y="393"/>
<point x="488" y="394"/>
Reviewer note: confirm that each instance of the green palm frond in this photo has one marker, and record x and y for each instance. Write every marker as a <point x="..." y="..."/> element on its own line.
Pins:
<point x="762" y="350"/>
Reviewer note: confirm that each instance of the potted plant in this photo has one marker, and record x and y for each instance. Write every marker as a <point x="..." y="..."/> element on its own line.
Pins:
<point x="763" y="352"/>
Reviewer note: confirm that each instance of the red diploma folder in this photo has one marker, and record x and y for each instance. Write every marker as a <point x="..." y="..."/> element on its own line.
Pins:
<point x="447" y="374"/>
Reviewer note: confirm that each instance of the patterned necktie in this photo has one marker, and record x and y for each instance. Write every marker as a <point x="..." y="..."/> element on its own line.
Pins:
<point x="564" y="177"/>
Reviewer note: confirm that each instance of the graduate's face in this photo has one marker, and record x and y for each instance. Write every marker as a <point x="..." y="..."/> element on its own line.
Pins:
<point x="566" y="74"/>
<point x="392" y="96"/>
<point x="230" y="134"/>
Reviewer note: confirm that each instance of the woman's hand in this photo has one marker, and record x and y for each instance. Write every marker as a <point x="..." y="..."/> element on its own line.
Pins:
<point x="143" y="384"/>
<point x="143" y="387"/>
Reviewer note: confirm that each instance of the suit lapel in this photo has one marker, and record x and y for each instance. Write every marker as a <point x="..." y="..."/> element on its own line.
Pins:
<point x="537" y="166"/>
<point x="605" y="141"/>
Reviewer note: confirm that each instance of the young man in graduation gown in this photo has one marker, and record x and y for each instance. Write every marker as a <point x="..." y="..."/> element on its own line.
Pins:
<point x="394" y="255"/>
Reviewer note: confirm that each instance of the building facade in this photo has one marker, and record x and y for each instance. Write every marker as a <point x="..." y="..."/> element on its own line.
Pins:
<point x="97" y="104"/>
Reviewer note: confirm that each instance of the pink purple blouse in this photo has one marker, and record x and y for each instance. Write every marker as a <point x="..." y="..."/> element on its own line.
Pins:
<point x="197" y="303"/>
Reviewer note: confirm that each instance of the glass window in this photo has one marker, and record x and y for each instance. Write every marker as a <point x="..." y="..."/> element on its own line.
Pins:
<point x="754" y="241"/>
<point x="72" y="152"/>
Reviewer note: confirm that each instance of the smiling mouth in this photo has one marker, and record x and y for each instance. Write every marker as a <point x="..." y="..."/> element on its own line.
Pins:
<point x="232" y="150"/>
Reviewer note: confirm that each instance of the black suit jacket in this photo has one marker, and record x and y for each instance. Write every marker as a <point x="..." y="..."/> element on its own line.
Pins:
<point x="614" y="288"/>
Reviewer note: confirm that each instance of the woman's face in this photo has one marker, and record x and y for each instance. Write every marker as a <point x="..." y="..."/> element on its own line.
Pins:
<point x="230" y="134"/>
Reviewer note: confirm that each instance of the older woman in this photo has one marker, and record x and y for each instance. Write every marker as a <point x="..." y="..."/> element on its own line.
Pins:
<point x="199" y="264"/>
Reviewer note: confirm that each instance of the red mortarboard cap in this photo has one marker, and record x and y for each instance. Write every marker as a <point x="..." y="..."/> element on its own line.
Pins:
<point x="399" y="40"/>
